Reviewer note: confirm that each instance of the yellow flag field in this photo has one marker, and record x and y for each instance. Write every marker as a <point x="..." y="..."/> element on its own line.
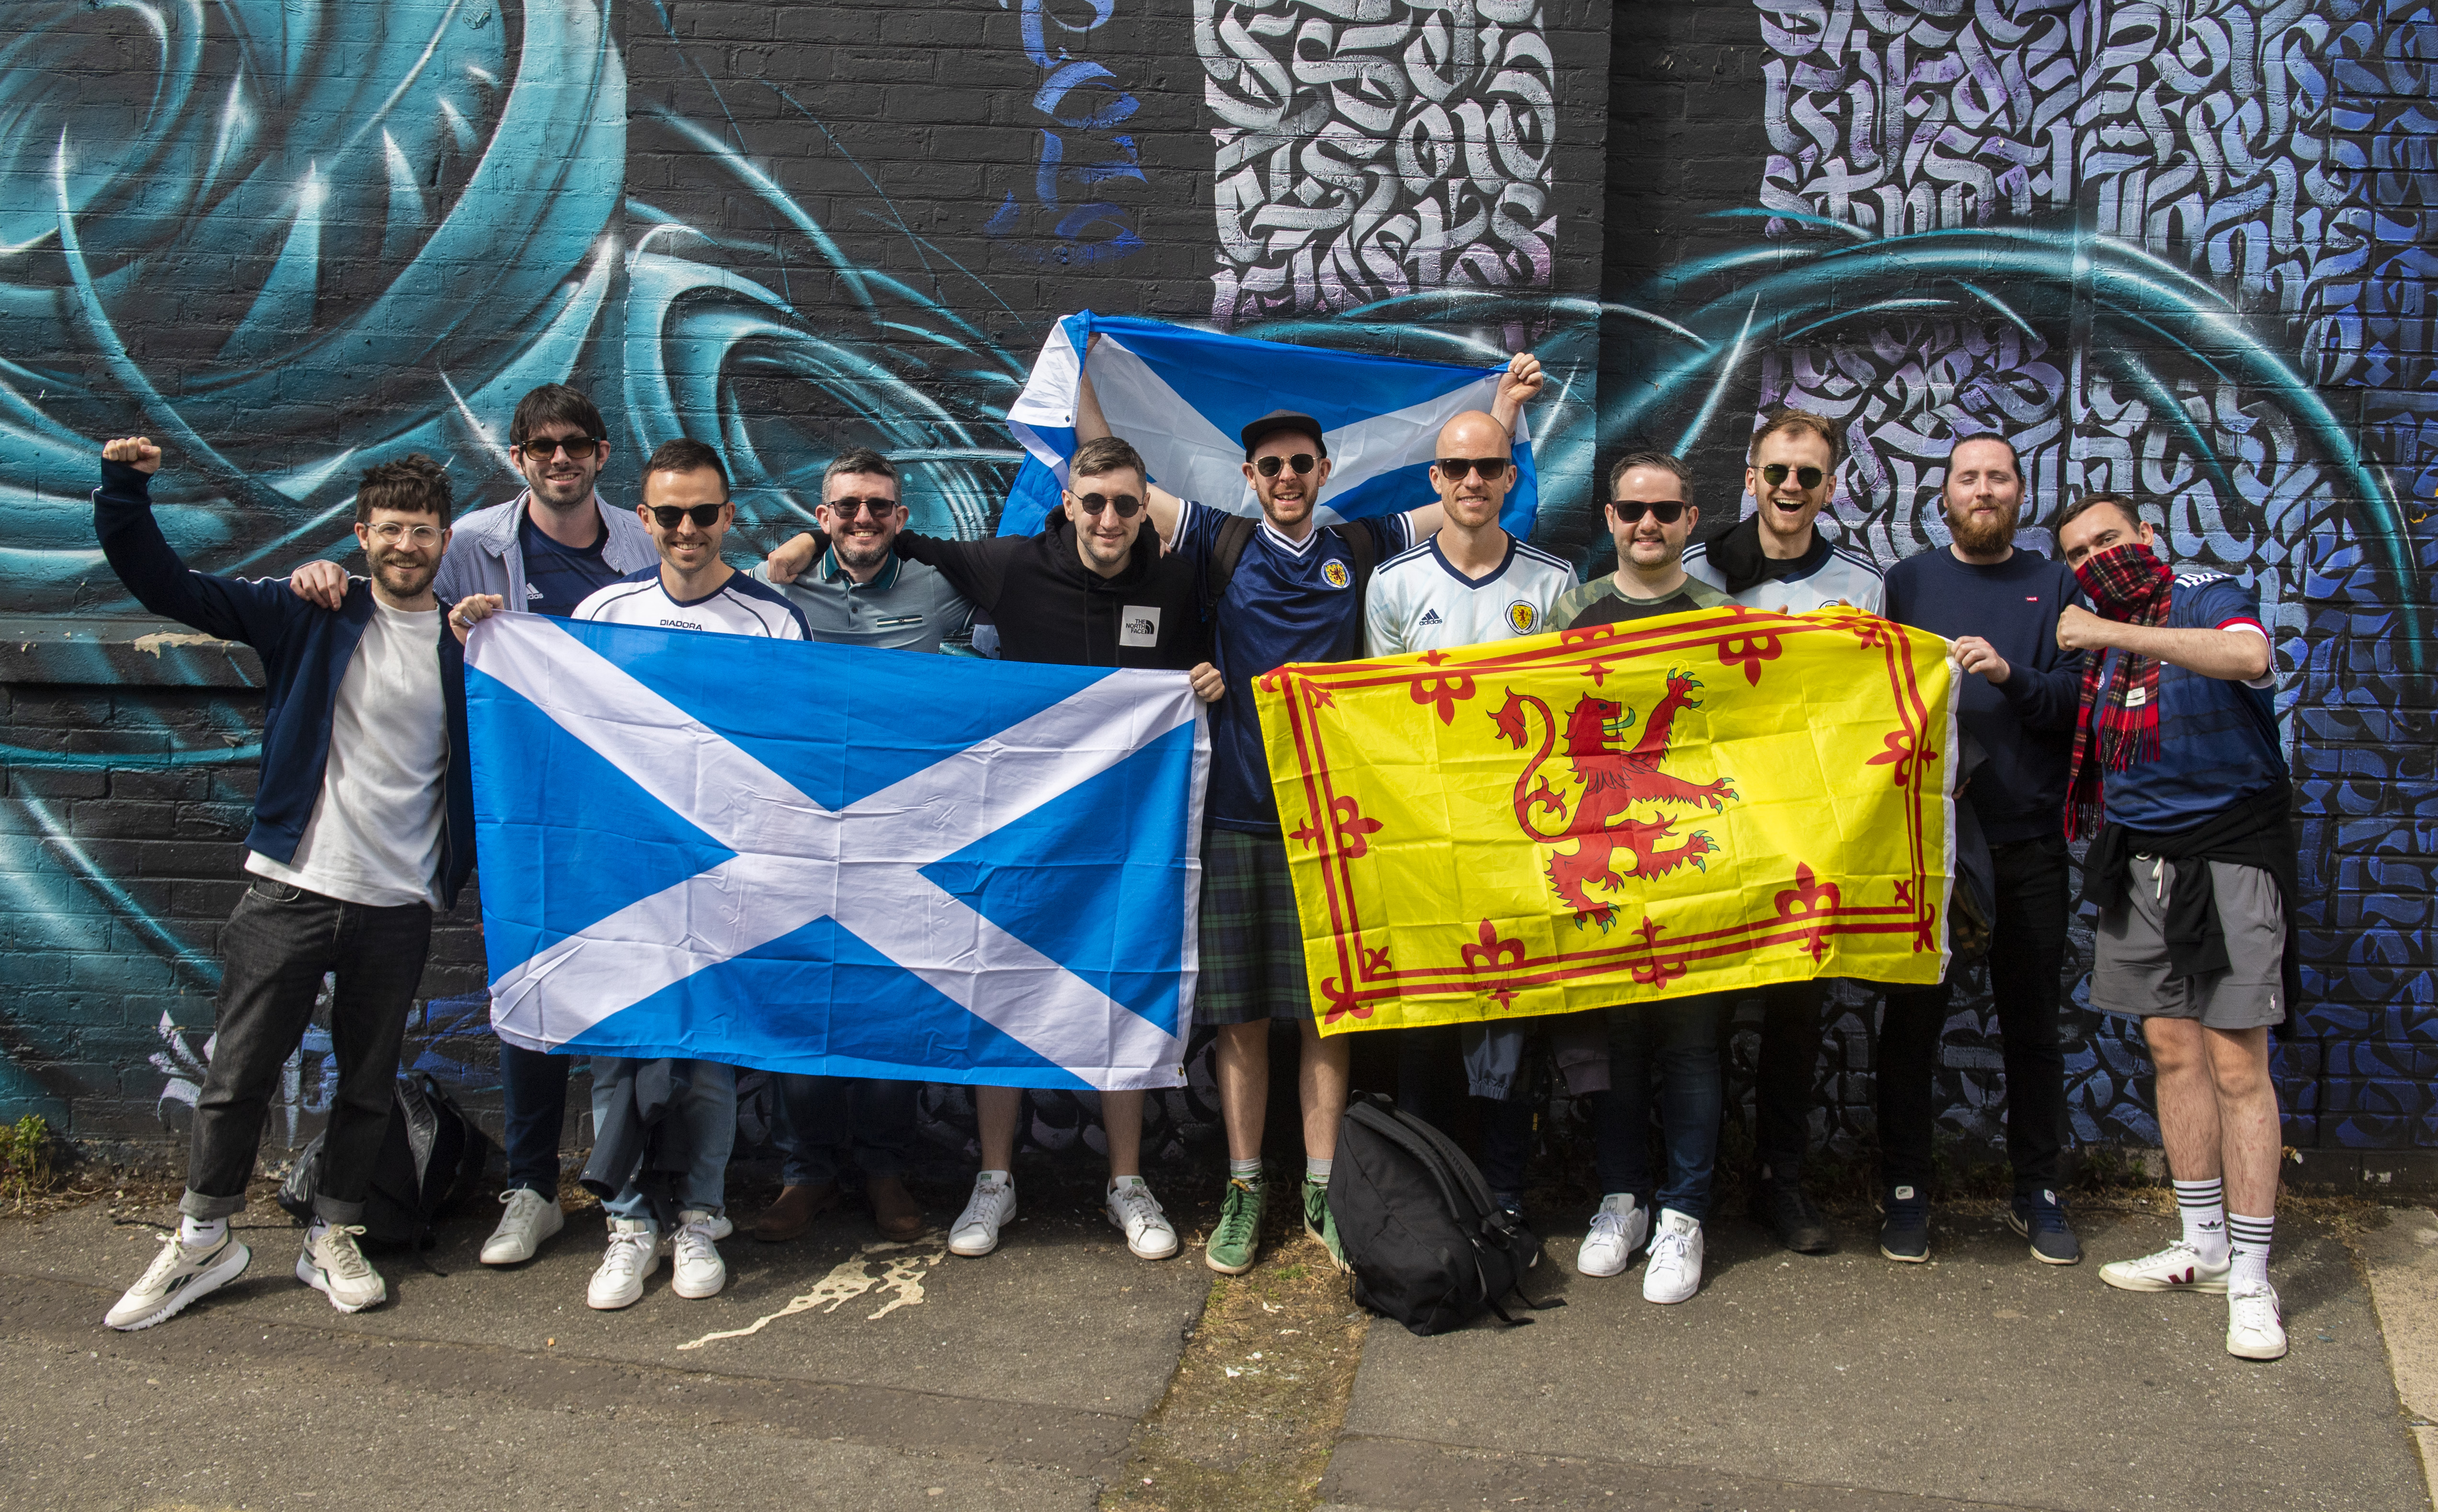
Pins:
<point x="1616" y="814"/>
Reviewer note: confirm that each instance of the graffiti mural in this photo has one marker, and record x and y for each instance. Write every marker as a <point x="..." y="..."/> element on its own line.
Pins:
<point x="2213" y="268"/>
<point x="1082" y="160"/>
<point x="1367" y="150"/>
<point x="2177" y="248"/>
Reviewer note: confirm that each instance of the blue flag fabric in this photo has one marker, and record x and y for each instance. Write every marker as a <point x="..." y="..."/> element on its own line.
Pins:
<point x="834" y="860"/>
<point x="1181" y="396"/>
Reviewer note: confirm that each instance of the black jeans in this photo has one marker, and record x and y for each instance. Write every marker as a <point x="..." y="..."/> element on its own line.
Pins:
<point x="278" y="942"/>
<point x="2026" y="949"/>
<point x="1785" y="1082"/>
<point x="826" y="1121"/>
<point x="533" y="1103"/>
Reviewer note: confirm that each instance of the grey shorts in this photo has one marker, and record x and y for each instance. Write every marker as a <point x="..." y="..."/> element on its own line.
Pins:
<point x="2128" y="968"/>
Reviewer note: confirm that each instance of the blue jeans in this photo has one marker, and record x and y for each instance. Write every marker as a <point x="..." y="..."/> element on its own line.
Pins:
<point x="533" y="1101"/>
<point x="824" y="1122"/>
<point x="1675" y="1043"/>
<point x="709" y="1109"/>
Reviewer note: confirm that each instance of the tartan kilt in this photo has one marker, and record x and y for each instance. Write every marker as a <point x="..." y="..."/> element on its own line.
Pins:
<point x="1251" y="941"/>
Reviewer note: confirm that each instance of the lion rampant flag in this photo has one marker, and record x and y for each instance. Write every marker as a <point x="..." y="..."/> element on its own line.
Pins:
<point x="1618" y="814"/>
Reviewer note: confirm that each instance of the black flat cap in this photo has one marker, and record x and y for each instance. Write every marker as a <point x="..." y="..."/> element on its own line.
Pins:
<point x="1276" y="421"/>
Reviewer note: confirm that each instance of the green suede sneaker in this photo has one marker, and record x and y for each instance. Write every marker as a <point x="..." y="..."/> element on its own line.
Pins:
<point x="1318" y="1223"/>
<point x="1237" y="1236"/>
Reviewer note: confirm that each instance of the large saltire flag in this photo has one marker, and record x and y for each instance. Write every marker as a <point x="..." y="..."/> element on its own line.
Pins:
<point x="1616" y="814"/>
<point x="1181" y="396"/>
<point x="836" y="860"/>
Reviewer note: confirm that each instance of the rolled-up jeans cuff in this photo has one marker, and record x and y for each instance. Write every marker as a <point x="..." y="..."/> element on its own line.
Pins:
<point x="332" y="1211"/>
<point x="878" y="1163"/>
<point x="202" y="1208"/>
<point x="807" y="1174"/>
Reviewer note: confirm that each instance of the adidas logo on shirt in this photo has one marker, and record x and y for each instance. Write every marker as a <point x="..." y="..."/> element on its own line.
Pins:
<point x="1430" y="617"/>
<point x="532" y="592"/>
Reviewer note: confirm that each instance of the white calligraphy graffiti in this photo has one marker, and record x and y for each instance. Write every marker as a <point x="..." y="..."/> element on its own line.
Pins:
<point x="1374" y="147"/>
<point x="2199" y="131"/>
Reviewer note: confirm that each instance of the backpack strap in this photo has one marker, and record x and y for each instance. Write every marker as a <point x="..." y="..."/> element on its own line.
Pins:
<point x="1227" y="550"/>
<point x="1362" y="539"/>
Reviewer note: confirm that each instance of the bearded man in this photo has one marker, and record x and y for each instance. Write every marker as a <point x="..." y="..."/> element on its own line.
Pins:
<point x="2018" y="700"/>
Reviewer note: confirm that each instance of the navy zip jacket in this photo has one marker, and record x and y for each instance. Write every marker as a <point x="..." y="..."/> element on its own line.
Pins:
<point x="2025" y="725"/>
<point x="305" y="652"/>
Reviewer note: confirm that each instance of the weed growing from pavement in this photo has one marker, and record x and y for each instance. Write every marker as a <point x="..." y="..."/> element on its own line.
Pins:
<point x="25" y="1159"/>
<point x="1260" y="1393"/>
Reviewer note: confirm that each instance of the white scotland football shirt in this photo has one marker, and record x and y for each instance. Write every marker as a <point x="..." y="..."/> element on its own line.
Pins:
<point x="1420" y="603"/>
<point x="738" y="606"/>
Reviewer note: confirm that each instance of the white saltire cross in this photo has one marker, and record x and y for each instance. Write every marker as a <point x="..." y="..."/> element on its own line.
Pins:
<point x="797" y="861"/>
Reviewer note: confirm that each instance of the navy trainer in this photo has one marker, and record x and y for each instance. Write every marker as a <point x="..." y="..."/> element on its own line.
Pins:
<point x="1904" y="1224"/>
<point x="2040" y="1218"/>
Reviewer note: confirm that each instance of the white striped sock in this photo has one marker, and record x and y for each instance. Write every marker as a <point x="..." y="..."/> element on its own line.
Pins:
<point x="2252" y="1238"/>
<point x="2203" y="1203"/>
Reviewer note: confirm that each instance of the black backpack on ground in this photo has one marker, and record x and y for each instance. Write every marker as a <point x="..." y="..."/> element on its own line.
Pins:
<point x="1426" y="1244"/>
<point x="431" y="1159"/>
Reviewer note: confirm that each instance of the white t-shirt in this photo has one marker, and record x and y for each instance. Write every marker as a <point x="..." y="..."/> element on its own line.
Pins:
<point x="374" y="835"/>
<point x="1419" y="603"/>
<point x="738" y="606"/>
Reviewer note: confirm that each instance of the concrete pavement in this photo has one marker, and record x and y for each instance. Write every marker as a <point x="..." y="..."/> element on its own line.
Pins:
<point x="903" y="1379"/>
<point x="1983" y="1379"/>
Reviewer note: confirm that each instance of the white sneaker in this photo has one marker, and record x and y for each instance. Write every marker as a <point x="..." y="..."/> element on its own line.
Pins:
<point x="633" y="1254"/>
<point x="2177" y="1268"/>
<point x="2255" y="1326"/>
<point x="1136" y="1213"/>
<point x="177" y="1276"/>
<point x="1674" y="1273"/>
<point x="720" y="1229"/>
<point x="333" y="1266"/>
<point x="1617" y="1230"/>
<point x="530" y="1219"/>
<point x="976" y="1232"/>
<point x="698" y="1270"/>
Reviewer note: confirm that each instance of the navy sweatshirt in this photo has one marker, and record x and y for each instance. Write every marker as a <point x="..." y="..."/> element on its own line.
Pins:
<point x="305" y="652"/>
<point x="2025" y="724"/>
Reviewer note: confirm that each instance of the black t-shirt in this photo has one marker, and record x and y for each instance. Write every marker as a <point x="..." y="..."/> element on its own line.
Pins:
<point x="1050" y="607"/>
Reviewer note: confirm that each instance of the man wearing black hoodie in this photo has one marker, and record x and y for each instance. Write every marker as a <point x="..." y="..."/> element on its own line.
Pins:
<point x="2018" y="700"/>
<point x="1775" y="560"/>
<point x="1092" y="590"/>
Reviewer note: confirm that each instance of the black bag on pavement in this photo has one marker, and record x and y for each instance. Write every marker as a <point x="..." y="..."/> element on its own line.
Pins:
<point x="1426" y="1244"/>
<point x="431" y="1159"/>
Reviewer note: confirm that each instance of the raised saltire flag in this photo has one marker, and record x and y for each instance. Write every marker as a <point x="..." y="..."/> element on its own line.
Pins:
<point x="832" y="860"/>
<point x="1617" y="814"/>
<point x="1181" y="395"/>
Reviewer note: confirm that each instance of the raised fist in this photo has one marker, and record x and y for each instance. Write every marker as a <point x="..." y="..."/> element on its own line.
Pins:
<point x="136" y="452"/>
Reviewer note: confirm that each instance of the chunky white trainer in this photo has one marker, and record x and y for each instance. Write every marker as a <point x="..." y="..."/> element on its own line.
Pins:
<point x="178" y="1276"/>
<point x="699" y="1272"/>
<point x="1617" y="1230"/>
<point x="333" y="1266"/>
<point x="530" y="1219"/>
<point x="2255" y="1325"/>
<point x="2177" y="1268"/>
<point x="1137" y="1214"/>
<point x="633" y="1254"/>
<point x="991" y="1207"/>
<point x="1674" y="1273"/>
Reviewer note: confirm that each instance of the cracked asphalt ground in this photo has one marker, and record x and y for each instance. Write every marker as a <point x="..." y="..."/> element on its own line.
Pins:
<point x="1062" y="1373"/>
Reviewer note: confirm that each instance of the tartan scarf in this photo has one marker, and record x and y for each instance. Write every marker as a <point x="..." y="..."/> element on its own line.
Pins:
<point x="2129" y="585"/>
